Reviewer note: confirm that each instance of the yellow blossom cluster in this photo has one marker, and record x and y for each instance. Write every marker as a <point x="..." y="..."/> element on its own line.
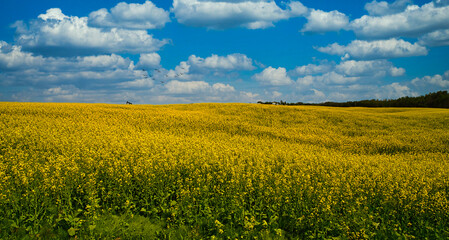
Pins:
<point x="227" y="170"/>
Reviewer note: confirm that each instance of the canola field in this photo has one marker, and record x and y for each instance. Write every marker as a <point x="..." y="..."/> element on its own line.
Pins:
<point x="222" y="171"/>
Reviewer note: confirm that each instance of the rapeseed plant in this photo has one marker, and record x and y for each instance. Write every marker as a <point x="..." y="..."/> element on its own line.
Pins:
<point x="222" y="170"/>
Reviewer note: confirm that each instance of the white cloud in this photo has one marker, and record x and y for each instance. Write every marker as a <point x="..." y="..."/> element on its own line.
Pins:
<point x="71" y="93"/>
<point x="320" y="21"/>
<point x="396" y="72"/>
<point x="131" y="16"/>
<point x="436" y="80"/>
<point x="306" y="81"/>
<point x="65" y="93"/>
<point x="318" y="94"/>
<point x="182" y="71"/>
<point x="99" y="62"/>
<point x="230" y="14"/>
<point x="352" y="92"/>
<point x="395" y="90"/>
<point x="249" y="96"/>
<point x="375" y="68"/>
<point x="197" y="87"/>
<point x="272" y="95"/>
<point x="57" y="91"/>
<point x="336" y="78"/>
<point x="297" y="9"/>
<point x="414" y="21"/>
<point x="24" y="69"/>
<point x="223" y="88"/>
<point x="149" y="60"/>
<point x="382" y="8"/>
<point x="53" y="14"/>
<point x="57" y="34"/>
<point x="234" y="61"/>
<point x="312" y="69"/>
<point x="276" y="94"/>
<point x="345" y="73"/>
<point x="437" y="38"/>
<point x="197" y="67"/>
<point x="330" y="78"/>
<point x="273" y="76"/>
<point x="191" y="87"/>
<point x="392" y="48"/>
<point x="12" y="58"/>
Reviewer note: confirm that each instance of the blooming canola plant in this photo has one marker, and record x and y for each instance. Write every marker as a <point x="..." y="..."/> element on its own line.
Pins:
<point x="225" y="170"/>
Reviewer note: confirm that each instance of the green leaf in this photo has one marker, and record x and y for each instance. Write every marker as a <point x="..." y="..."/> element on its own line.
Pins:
<point x="71" y="232"/>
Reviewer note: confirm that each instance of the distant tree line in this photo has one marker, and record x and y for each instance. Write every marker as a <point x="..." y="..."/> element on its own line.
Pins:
<point x="438" y="99"/>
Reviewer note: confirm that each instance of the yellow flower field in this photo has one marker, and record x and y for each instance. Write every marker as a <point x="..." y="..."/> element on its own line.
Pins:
<point x="222" y="171"/>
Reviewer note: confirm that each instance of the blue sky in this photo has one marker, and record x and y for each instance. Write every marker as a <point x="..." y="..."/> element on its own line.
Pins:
<point x="184" y="51"/>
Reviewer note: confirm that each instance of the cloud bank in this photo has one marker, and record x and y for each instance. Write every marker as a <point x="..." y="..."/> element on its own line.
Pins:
<point x="414" y="21"/>
<point x="130" y="16"/>
<point x="378" y="49"/>
<point x="55" y="34"/>
<point x="231" y="14"/>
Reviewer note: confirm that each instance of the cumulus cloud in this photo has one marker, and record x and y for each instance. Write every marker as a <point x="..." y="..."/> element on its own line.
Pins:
<point x="57" y="34"/>
<point x="197" y="67"/>
<point x="395" y="90"/>
<point x="12" y="58"/>
<point x="414" y="21"/>
<point x="234" y="61"/>
<point x="382" y="8"/>
<point x="437" y="38"/>
<point x="327" y="78"/>
<point x="249" y="96"/>
<point x="99" y="62"/>
<point x="18" y="67"/>
<point x="312" y="69"/>
<point x="71" y="93"/>
<point x="64" y="93"/>
<point x="345" y="73"/>
<point x="436" y="80"/>
<point x="320" y="21"/>
<point x="297" y="9"/>
<point x="229" y="14"/>
<point x="275" y="94"/>
<point x="318" y="94"/>
<point x="353" y="91"/>
<point x="196" y="87"/>
<point x="307" y="80"/>
<point x="223" y="88"/>
<point x="396" y="72"/>
<point x="273" y="76"/>
<point x="375" y="68"/>
<point x="182" y="71"/>
<point x="191" y="87"/>
<point x="392" y="48"/>
<point x="130" y="16"/>
<point x="149" y="60"/>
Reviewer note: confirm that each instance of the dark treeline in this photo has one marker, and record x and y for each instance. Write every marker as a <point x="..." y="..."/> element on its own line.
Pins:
<point x="433" y="100"/>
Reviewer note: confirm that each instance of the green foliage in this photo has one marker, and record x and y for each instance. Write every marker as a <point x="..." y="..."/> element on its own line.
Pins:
<point x="438" y="99"/>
